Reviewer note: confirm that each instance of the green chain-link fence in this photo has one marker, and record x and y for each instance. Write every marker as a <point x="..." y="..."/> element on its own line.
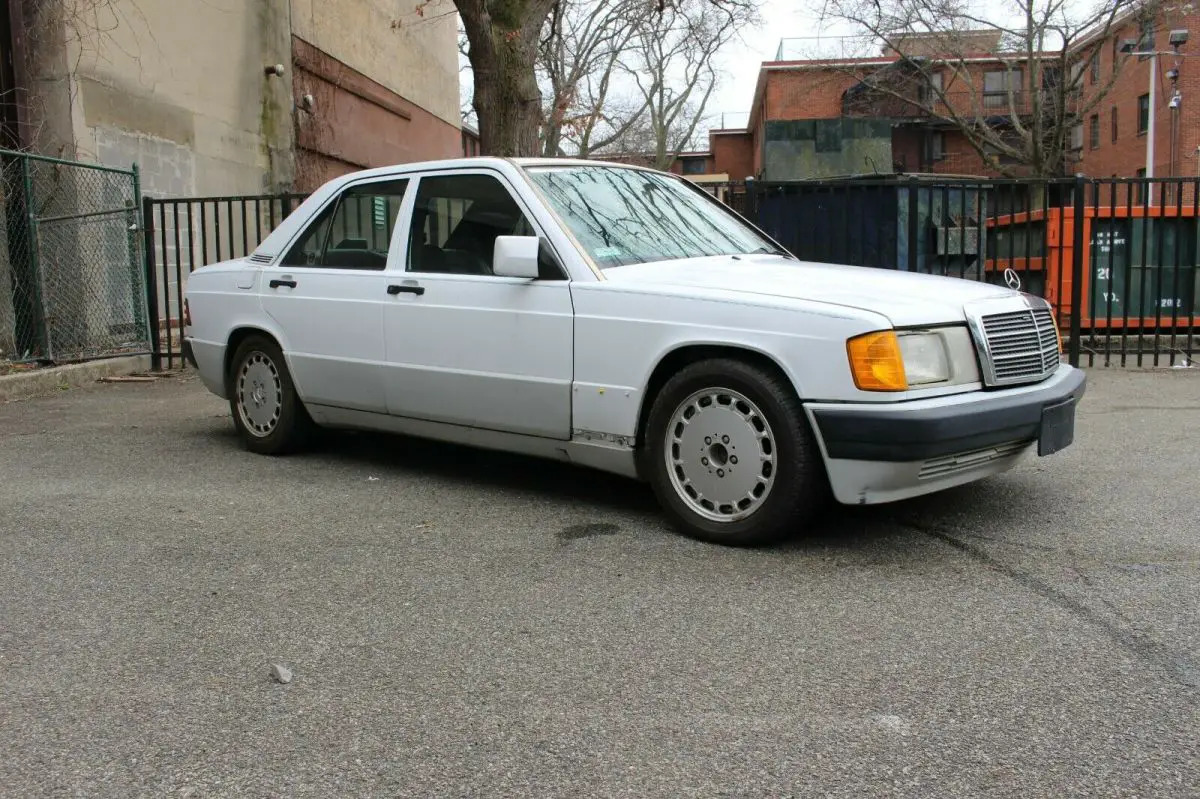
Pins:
<point x="71" y="279"/>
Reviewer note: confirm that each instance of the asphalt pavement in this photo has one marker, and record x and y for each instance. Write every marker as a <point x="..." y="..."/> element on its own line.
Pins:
<point x="470" y="624"/>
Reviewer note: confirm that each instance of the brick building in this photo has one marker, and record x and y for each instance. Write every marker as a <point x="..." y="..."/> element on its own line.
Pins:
<point x="826" y="118"/>
<point x="1114" y="136"/>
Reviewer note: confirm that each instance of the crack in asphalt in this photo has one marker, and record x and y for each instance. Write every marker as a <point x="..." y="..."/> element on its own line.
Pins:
<point x="1141" y="646"/>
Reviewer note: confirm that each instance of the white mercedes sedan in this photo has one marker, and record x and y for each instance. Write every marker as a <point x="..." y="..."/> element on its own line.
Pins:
<point x="622" y="319"/>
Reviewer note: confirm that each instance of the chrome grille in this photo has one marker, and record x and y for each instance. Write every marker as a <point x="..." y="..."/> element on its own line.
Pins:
<point x="1021" y="346"/>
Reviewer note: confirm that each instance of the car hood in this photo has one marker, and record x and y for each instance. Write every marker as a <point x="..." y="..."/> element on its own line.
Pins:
<point x="905" y="298"/>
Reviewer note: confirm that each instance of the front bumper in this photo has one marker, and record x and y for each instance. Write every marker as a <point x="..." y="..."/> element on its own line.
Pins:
<point x="884" y="452"/>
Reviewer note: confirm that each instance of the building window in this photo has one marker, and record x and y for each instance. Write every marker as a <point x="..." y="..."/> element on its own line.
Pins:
<point x="935" y="146"/>
<point x="1077" y="136"/>
<point x="931" y="92"/>
<point x="1094" y="67"/>
<point x="693" y="166"/>
<point x="998" y="84"/>
<point x="1094" y="131"/>
<point x="1114" y="123"/>
<point x="1143" y="114"/>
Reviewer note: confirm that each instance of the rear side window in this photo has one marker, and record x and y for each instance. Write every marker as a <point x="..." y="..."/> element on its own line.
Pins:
<point x="354" y="231"/>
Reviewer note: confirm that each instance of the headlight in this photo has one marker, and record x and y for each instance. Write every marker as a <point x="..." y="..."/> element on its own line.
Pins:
<point x="890" y="360"/>
<point x="925" y="358"/>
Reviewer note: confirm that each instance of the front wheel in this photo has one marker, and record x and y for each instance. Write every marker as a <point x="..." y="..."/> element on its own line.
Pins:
<point x="267" y="412"/>
<point x="730" y="455"/>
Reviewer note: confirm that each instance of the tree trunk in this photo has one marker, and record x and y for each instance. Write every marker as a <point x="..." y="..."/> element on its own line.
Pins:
<point x="503" y="36"/>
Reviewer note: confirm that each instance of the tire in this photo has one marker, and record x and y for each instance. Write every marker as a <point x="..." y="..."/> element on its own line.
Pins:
<point x="698" y="421"/>
<point x="267" y="412"/>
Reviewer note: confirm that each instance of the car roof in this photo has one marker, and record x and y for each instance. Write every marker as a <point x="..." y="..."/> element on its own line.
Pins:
<point x="480" y="160"/>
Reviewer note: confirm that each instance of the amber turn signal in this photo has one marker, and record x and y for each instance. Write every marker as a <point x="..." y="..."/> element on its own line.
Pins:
<point x="876" y="362"/>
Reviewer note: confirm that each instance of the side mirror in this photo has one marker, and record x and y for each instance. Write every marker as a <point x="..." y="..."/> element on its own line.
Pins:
<point x="516" y="256"/>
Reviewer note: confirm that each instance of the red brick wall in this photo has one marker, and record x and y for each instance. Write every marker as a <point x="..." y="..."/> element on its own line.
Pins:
<point x="907" y="144"/>
<point x="1128" y="154"/>
<point x="356" y="123"/>
<point x="805" y="94"/>
<point x="961" y="158"/>
<point x="733" y="154"/>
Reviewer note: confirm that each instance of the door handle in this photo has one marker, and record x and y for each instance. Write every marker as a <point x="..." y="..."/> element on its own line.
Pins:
<point x="276" y="283"/>
<point x="407" y="288"/>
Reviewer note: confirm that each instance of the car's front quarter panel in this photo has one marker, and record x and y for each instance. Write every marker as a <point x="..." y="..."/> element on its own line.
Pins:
<point x="223" y="298"/>
<point x="623" y="332"/>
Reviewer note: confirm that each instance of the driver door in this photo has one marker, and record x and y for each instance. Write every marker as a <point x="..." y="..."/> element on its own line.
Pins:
<point x="463" y="346"/>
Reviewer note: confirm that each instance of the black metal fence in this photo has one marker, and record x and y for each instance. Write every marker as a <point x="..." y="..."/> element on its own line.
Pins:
<point x="184" y="234"/>
<point x="1116" y="258"/>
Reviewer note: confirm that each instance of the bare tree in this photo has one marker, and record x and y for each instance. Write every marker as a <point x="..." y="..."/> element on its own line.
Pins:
<point x="504" y="40"/>
<point x="1018" y="111"/>
<point x="578" y="59"/>
<point x="671" y="64"/>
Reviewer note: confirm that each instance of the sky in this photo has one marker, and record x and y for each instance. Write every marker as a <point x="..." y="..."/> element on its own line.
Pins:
<point x="741" y="59"/>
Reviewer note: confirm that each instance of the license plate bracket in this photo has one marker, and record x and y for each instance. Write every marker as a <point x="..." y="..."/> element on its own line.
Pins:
<point x="1057" y="430"/>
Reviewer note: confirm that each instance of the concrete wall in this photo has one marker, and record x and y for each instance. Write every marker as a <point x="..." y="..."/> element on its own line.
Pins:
<point x="412" y="54"/>
<point x="180" y="88"/>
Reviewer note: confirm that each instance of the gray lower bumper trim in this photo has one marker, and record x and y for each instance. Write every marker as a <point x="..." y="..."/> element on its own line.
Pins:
<point x="896" y="435"/>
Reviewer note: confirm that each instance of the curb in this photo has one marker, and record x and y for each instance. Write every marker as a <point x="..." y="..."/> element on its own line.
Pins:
<point x="41" y="382"/>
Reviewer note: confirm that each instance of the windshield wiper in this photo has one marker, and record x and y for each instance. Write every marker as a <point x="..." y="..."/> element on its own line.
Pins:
<point x="771" y="251"/>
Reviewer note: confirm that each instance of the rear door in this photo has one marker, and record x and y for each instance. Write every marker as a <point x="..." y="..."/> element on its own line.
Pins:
<point x="464" y="346"/>
<point x="327" y="293"/>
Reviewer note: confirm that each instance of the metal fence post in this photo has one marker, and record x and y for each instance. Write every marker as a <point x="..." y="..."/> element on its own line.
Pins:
<point x="42" y="335"/>
<point x="1080" y="203"/>
<point x="134" y="226"/>
<point x="913" y="227"/>
<point x="151" y="284"/>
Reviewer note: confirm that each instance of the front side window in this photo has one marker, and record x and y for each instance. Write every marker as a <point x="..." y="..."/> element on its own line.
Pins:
<point x="631" y="216"/>
<point x="352" y="232"/>
<point x="456" y="220"/>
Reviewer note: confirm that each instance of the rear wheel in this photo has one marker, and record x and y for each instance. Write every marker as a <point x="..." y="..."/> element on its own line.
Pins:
<point x="267" y="412"/>
<point x="731" y="456"/>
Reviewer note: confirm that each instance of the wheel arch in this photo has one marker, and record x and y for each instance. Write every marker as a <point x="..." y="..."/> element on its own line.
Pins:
<point x="236" y="336"/>
<point x="683" y="355"/>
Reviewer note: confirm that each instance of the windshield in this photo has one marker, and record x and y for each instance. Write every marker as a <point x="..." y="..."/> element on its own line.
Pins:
<point x="630" y="216"/>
